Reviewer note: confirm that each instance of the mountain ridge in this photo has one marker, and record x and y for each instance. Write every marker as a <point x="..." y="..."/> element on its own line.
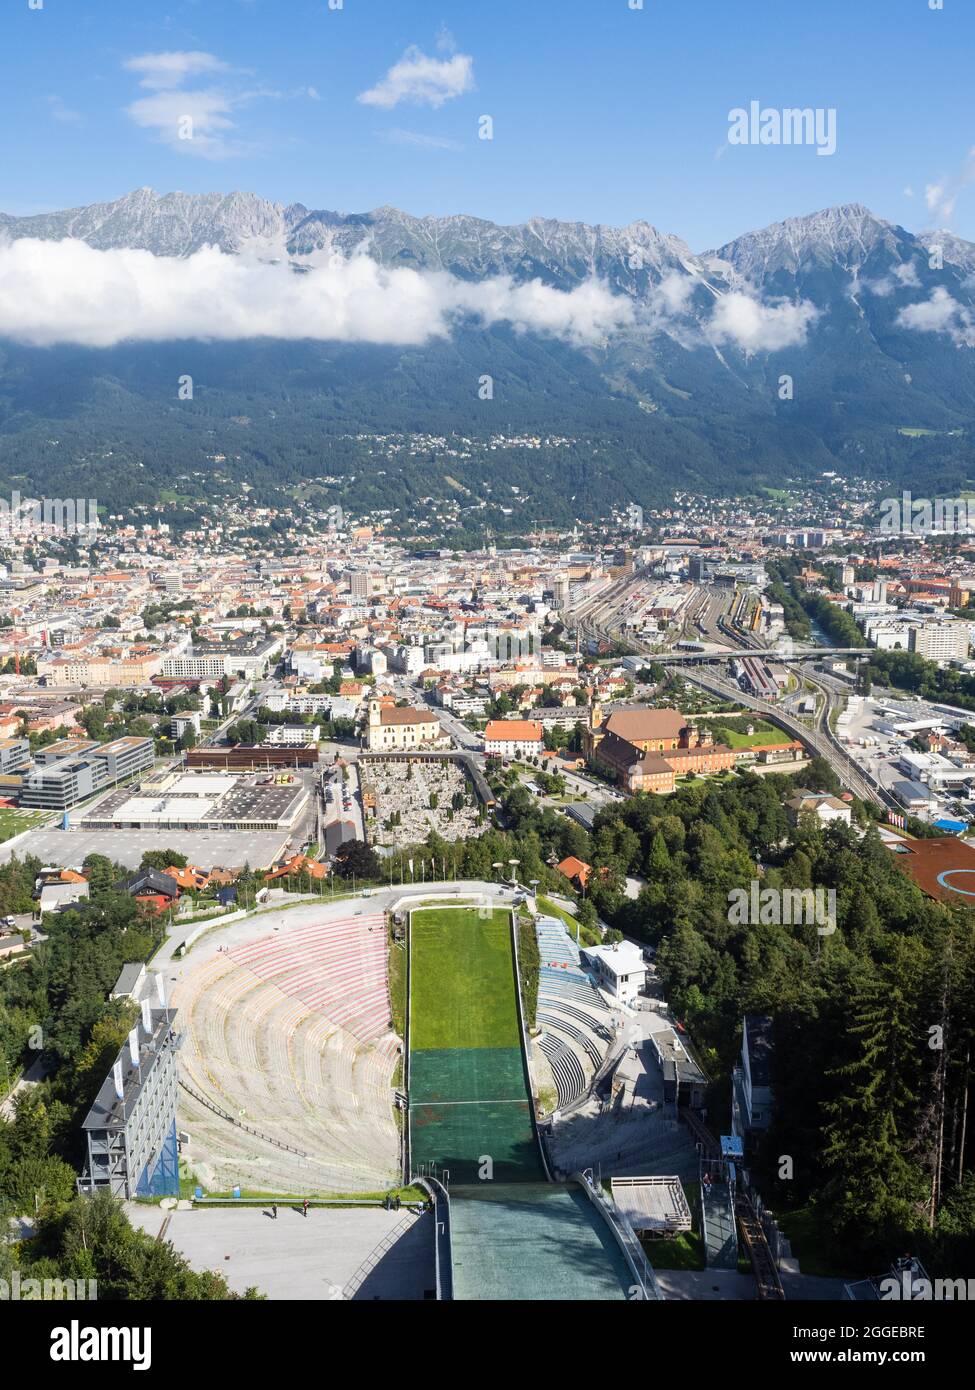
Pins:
<point x="686" y="395"/>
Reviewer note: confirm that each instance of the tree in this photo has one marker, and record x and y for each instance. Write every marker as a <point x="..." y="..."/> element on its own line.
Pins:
<point x="875" y="1188"/>
<point x="658" y="863"/>
<point x="354" y="857"/>
<point x="163" y="859"/>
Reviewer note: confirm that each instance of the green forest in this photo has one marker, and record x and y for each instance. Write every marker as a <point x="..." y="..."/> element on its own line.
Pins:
<point x="873" y="1024"/>
<point x="54" y="1006"/>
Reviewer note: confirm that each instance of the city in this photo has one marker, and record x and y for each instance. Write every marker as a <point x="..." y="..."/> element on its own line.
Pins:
<point x="487" y="673"/>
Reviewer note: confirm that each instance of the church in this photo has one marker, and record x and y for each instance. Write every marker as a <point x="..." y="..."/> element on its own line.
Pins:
<point x="646" y="750"/>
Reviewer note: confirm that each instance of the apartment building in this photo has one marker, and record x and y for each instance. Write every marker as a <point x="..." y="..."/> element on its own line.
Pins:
<point x="940" y="641"/>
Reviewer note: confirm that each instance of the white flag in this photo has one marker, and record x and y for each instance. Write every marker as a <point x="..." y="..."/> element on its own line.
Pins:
<point x="411" y="868"/>
<point x="161" y="991"/>
<point x="134" y="1046"/>
<point x="146" y="1016"/>
<point x="117" y="1077"/>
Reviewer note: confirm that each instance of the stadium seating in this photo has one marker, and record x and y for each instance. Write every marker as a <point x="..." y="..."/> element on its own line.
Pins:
<point x="577" y="1021"/>
<point x="567" y="1073"/>
<point x="291" y="1036"/>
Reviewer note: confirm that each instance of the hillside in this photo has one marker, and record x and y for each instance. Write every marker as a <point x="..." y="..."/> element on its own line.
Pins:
<point x="683" y="392"/>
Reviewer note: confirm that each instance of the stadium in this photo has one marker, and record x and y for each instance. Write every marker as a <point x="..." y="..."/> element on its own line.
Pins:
<point x="296" y="1084"/>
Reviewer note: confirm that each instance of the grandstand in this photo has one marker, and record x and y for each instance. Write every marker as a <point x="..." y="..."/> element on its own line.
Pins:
<point x="289" y="1058"/>
<point x="577" y="1023"/>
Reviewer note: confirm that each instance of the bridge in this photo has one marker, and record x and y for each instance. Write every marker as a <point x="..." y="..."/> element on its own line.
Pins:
<point x="677" y="656"/>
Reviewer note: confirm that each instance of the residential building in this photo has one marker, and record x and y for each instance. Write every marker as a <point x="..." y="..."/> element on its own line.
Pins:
<point x="823" y="806"/>
<point x="940" y="641"/>
<point x="131" y="1127"/>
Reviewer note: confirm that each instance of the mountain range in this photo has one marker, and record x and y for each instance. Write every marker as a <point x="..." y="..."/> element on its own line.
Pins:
<point x="873" y="326"/>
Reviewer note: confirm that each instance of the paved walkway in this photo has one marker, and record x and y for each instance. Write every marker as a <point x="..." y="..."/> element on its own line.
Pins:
<point x="297" y="1257"/>
<point x="724" y="1284"/>
<point x="34" y="1073"/>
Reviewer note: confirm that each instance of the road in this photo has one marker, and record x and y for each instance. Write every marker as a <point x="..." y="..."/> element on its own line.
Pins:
<point x="818" y="737"/>
<point x="459" y="732"/>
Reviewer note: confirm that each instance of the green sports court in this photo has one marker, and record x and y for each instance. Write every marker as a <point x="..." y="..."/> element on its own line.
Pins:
<point x="469" y="1094"/>
<point x="513" y="1234"/>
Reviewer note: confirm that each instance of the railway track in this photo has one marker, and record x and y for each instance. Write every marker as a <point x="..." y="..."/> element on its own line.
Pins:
<point x="757" y="1248"/>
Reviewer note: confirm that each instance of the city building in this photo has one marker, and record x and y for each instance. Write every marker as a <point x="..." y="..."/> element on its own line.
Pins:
<point x="513" y="738"/>
<point x="294" y="735"/>
<point x="392" y="729"/>
<point x="940" y="641"/>
<point x="72" y="770"/>
<point x="14" y="755"/>
<point x="645" y="750"/>
<point x="182" y="723"/>
<point x="201" y="801"/>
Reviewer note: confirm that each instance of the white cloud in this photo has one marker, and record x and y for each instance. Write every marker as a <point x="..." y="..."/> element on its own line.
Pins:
<point x="941" y="196"/>
<point x="62" y="113"/>
<point x="194" y="122"/>
<point x="192" y="119"/>
<point x="426" y="142"/>
<point x="673" y="292"/>
<point x="903" y="276"/>
<point x="159" y="70"/>
<point x="67" y="292"/>
<point x="940" y="314"/>
<point x="755" y="326"/>
<point x="422" y="81"/>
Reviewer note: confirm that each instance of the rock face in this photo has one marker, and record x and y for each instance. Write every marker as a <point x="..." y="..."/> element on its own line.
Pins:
<point x="562" y="253"/>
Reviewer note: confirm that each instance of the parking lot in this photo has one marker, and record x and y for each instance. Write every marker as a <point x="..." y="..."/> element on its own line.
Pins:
<point x="230" y="849"/>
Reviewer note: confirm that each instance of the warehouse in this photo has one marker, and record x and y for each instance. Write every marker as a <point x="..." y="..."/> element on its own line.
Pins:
<point x="200" y="802"/>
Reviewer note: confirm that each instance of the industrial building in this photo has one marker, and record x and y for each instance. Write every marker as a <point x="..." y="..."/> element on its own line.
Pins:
<point x="253" y="756"/>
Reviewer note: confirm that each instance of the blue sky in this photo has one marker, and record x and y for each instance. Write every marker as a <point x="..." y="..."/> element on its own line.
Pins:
<point x="601" y="112"/>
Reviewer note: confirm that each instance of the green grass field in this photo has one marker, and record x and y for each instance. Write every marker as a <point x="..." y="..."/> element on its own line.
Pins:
<point x="468" y="1089"/>
<point x="462" y="984"/>
<point x="15" y="822"/>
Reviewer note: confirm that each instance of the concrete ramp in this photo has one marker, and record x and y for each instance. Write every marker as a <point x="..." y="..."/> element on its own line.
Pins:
<point x="533" y="1241"/>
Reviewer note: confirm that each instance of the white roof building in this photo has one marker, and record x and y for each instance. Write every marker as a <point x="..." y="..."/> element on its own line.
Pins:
<point x="620" y="968"/>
